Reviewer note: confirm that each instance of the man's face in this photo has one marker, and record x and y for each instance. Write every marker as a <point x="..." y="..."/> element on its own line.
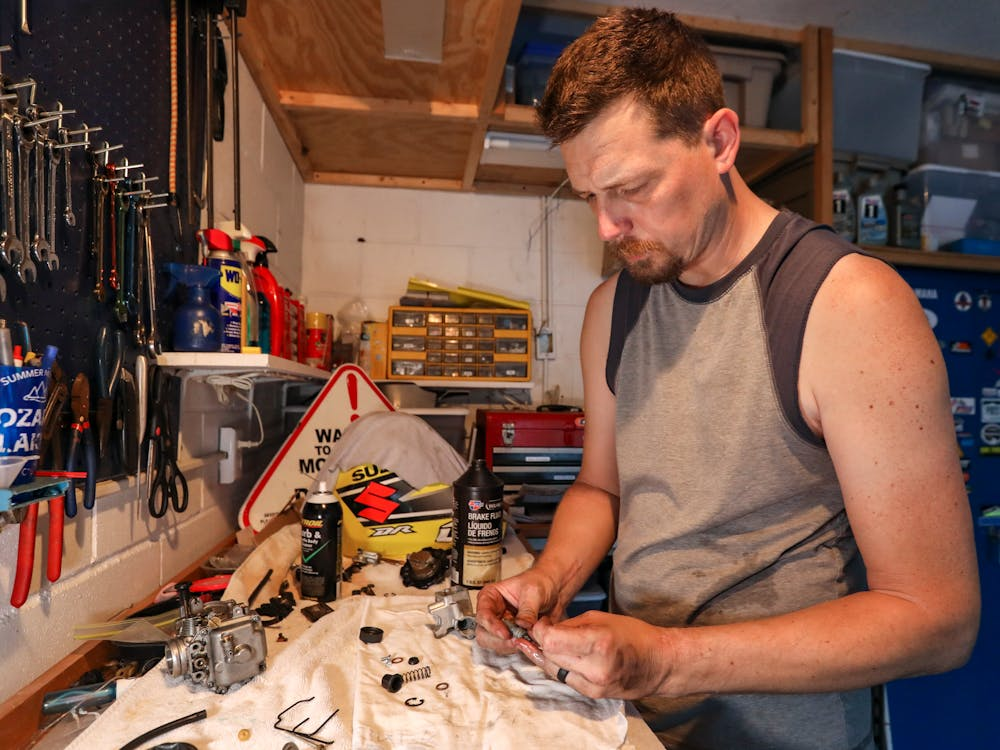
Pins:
<point x="656" y="200"/>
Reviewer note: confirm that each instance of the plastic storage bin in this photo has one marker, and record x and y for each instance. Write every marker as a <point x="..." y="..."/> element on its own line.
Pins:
<point x="957" y="204"/>
<point x="877" y="103"/>
<point x="747" y="80"/>
<point x="533" y="69"/>
<point x="961" y="124"/>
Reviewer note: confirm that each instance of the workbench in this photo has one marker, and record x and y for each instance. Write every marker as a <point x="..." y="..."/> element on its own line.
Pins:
<point x="322" y="679"/>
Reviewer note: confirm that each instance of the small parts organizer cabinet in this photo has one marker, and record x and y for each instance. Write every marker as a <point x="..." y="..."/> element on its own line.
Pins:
<point x="468" y="344"/>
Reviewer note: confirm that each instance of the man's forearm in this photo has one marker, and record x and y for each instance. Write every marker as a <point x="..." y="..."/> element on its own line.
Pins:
<point x="860" y="640"/>
<point x="582" y="532"/>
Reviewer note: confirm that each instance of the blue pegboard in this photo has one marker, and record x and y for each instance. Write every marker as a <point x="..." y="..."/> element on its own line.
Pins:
<point x="109" y="60"/>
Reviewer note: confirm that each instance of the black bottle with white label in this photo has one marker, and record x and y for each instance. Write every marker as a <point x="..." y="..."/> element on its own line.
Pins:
<point x="477" y="533"/>
<point x="322" y="525"/>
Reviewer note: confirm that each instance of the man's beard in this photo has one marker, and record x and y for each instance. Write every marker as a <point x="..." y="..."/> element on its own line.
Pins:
<point x="647" y="261"/>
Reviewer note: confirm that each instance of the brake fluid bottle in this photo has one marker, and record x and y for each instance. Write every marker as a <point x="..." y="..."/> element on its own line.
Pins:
<point x="477" y="527"/>
<point x="322" y="527"/>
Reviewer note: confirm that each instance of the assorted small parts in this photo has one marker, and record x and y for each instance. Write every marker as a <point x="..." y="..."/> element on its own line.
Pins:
<point x="393" y="682"/>
<point x="452" y="610"/>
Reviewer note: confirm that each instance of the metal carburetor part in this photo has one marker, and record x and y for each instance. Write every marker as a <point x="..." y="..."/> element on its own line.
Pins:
<point x="218" y="644"/>
<point x="452" y="610"/>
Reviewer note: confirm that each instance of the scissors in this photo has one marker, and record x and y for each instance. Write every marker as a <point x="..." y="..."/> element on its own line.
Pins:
<point x="167" y="488"/>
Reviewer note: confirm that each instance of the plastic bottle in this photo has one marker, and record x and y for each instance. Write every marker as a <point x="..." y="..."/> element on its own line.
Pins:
<point x="217" y="247"/>
<point x="197" y="323"/>
<point x="273" y="302"/>
<point x="904" y="219"/>
<point x="477" y="527"/>
<point x="322" y="539"/>
<point x="246" y="250"/>
<point x="844" y="222"/>
<point x="873" y="222"/>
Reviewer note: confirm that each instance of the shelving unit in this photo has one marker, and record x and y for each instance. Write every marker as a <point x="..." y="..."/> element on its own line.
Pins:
<point x="201" y="363"/>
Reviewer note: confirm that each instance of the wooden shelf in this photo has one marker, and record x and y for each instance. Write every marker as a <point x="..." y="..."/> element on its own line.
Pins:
<point x="899" y="256"/>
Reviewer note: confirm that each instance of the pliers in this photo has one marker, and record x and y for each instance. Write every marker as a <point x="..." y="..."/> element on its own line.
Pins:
<point x="26" y="549"/>
<point x="110" y="356"/>
<point x="80" y="405"/>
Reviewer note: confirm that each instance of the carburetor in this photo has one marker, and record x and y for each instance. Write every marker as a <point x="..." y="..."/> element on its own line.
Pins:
<point x="218" y="644"/>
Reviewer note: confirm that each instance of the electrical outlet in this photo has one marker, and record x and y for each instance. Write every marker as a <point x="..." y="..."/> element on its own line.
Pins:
<point x="227" y="445"/>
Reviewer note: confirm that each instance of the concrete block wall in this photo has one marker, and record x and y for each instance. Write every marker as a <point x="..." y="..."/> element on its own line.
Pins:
<point x="370" y="241"/>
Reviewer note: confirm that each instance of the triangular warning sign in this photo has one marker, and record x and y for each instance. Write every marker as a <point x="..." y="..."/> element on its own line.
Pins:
<point x="348" y="394"/>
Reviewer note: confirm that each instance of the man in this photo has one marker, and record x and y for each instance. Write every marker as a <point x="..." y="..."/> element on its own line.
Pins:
<point x="769" y="445"/>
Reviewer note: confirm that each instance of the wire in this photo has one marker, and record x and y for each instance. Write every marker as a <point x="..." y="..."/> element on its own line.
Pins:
<point x="164" y="728"/>
<point x="238" y="383"/>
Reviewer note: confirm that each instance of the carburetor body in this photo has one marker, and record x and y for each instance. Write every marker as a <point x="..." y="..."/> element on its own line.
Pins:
<point x="218" y="644"/>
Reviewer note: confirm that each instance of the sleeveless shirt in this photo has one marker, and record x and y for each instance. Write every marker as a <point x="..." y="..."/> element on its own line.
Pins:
<point x="730" y="505"/>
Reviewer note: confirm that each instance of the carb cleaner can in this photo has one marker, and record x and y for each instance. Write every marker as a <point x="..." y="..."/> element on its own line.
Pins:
<point x="322" y="525"/>
<point x="477" y="532"/>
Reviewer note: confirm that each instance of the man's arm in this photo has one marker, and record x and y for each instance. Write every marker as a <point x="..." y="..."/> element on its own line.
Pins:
<point x="872" y="382"/>
<point x="586" y="519"/>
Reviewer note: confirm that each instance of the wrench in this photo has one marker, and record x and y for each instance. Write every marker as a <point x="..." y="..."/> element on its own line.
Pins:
<point x="99" y="195"/>
<point x="68" y="214"/>
<point x="55" y="156"/>
<point x="11" y="249"/>
<point x="152" y="342"/>
<point x="40" y="247"/>
<point x="24" y="267"/>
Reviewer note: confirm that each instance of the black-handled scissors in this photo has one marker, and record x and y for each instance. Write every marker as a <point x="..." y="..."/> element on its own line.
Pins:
<point x="167" y="488"/>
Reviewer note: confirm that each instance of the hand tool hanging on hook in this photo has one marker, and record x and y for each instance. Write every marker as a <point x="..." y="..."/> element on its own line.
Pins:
<point x="26" y="549"/>
<point x="11" y="248"/>
<point x="80" y="404"/>
<point x="110" y="362"/>
<point x="236" y="8"/>
<point x="167" y="487"/>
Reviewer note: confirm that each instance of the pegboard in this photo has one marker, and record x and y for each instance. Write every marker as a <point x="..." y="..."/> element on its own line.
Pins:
<point x="109" y="60"/>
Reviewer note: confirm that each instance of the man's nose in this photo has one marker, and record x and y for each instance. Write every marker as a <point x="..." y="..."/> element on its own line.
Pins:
<point x="612" y="221"/>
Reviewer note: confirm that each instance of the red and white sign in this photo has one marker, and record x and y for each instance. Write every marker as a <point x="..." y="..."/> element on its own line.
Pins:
<point x="347" y="395"/>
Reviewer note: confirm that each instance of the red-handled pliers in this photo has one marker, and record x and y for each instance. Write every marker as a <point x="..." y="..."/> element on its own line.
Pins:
<point x="26" y="549"/>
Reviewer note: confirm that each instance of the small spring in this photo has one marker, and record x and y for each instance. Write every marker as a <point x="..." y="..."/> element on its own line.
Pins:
<point x="417" y="674"/>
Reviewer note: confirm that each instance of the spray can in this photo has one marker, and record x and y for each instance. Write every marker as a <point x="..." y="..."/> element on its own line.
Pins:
<point x="322" y="526"/>
<point x="217" y="247"/>
<point x="477" y="527"/>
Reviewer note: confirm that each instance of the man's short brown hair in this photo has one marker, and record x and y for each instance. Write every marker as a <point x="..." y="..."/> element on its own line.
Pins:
<point x="646" y="54"/>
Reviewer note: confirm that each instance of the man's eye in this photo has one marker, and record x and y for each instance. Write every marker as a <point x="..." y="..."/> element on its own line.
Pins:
<point x="632" y="190"/>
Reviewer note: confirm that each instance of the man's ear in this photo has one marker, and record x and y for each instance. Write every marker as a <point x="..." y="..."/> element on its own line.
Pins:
<point x="722" y="135"/>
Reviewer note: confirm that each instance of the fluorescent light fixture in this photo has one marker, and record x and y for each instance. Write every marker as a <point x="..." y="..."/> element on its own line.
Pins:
<point x="520" y="150"/>
<point x="413" y="30"/>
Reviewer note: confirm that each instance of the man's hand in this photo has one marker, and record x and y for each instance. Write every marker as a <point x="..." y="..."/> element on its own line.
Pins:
<point x="523" y="598"/>
<point x="604" y="655"/>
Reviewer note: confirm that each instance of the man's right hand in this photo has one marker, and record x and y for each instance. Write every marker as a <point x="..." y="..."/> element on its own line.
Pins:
<point x="523" y="598"/>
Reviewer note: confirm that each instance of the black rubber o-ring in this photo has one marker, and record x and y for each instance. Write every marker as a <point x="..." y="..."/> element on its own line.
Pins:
<point x="441" y="686"/>
<point x="369" y="634"/>
<point x="414" y="702"/>
<point x="396" y="659"/>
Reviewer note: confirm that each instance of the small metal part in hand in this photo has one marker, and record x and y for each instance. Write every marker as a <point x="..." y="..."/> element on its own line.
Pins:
<point x="562" y="674"/>
<point x="516" y="631"/>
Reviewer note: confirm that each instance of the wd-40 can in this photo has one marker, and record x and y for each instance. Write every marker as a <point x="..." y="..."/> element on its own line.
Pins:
<point x="322" y="528"/>
<point x="477" y="533"/>
<point x="227" y="297"/>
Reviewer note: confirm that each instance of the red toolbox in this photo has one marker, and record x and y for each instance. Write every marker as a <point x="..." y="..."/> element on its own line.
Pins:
<point x="530" y="447"/>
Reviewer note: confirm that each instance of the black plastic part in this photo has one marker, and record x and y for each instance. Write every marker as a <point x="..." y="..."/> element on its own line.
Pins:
<point x="315" y="611"/>
<point x="392" y="682"/>
<point x="413" y="660"/>
<point x="368" y="634"/>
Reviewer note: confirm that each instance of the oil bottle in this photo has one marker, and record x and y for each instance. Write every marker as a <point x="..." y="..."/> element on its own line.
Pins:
<point x="477" y="527"/>
<point x="322" y="529"/>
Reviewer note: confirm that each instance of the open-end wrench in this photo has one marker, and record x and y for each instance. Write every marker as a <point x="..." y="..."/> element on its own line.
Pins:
<point x="11" y="248"/>
<point x="152" y="342"/>
<point x="24" y="266"/>
<point x="99" y="196"/>
<point x="55" y="156"/>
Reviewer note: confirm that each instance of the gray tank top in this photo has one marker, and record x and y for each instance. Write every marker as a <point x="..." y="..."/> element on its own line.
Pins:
<point x="730" y="506"/>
